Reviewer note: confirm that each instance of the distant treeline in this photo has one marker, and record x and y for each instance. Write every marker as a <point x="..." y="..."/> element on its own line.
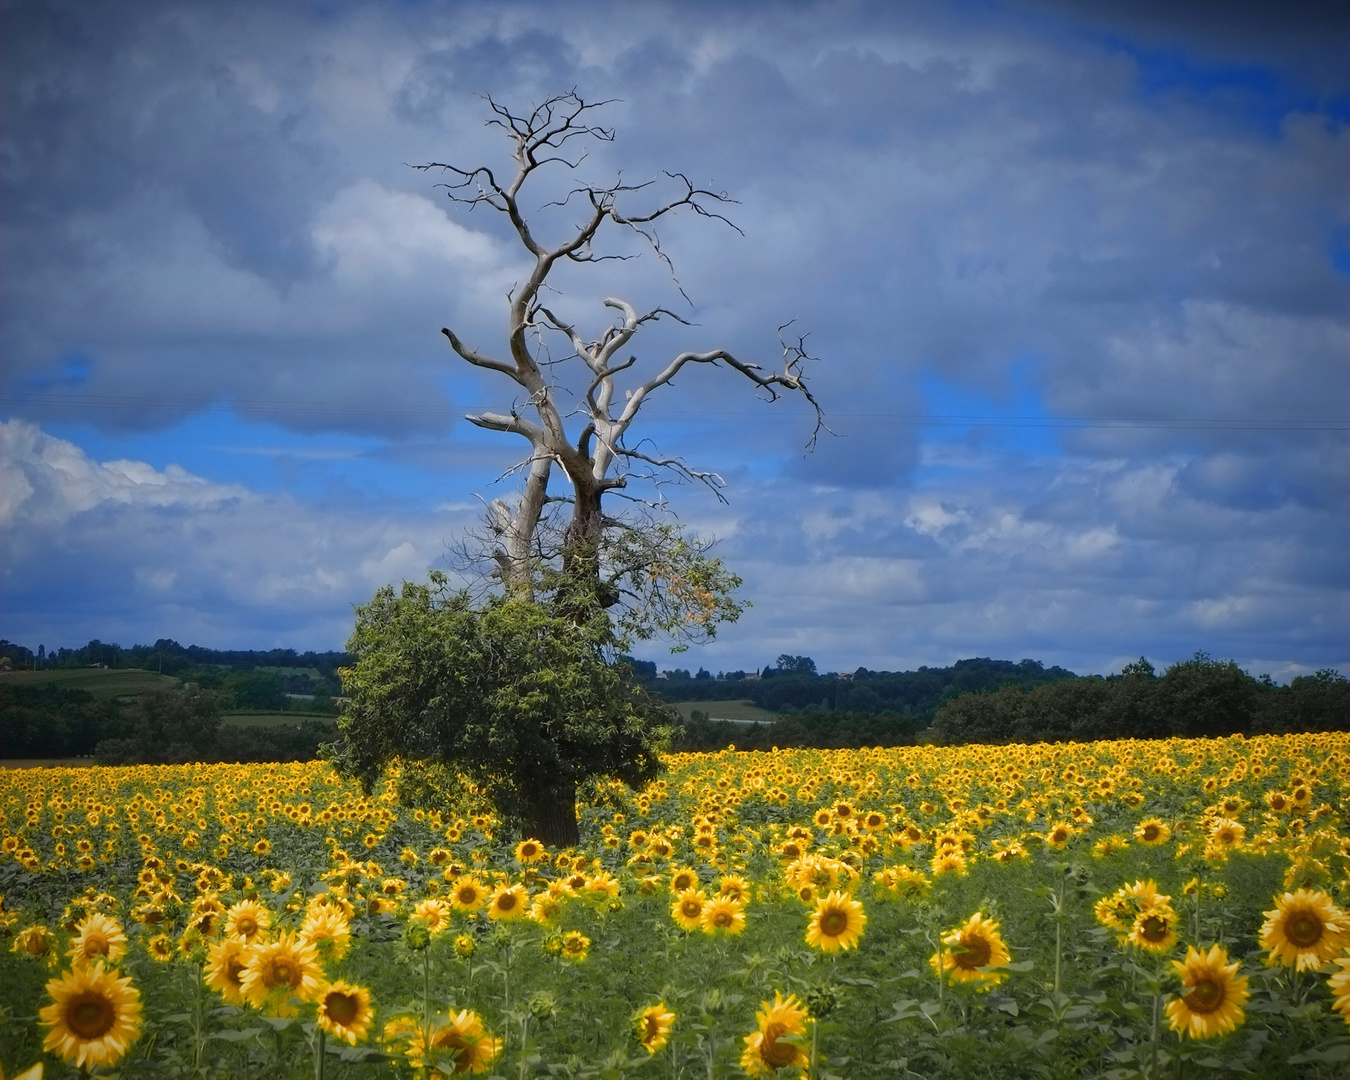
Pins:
<point x="1200" y="697"/>
<point x="163" y="727"/>
<point x="1197" y="697"/>
<point x="793" y="686"/>
<point x="170" y="658"/>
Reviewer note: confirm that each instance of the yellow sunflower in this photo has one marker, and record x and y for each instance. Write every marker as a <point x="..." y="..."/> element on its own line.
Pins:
<point x="735" y="886"/>
<point x="1152" y="831"/>
<point x="1305" y="930"/>
<point x="432" y="913"/>
<point x="1154" y="929"/>
<point x="1215" y="994"/>
<point x="279" y="970"/>
<point x="461" y="1045"/>
<point x="344" y="1011"/>
<point x="653" y="1026"/>
<point x="509" y="902"/>
<point x="682" y="879"/>
<point x="248" y="921"/>
<point x="327" y="929"/>
<point x="1225" y="835"/>
<point x="949" y="861"/>
<point x="160" y="948"/>
<point x="225" y="962"/>
<point x="575" y="946"/>
<point x="723" y="915"/>
<point x="1339" y="985"/>
<point x="95" y="1016"/>
<point x="34" y="943"/>
<point x="974" y="953"/>
<point x="468" y="894"/>
<point x="1114" y="912"/>
<point x="97" y="937"/>
<point x="687" y="911"/>
<point x="1059" y="834"/>
<point x="530" y="851"/>
<point x="765" y="1051"/>
<point x="837" y="923"/>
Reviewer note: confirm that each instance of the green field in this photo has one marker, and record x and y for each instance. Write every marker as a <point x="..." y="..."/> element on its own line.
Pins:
<point x="101" y="682"/>
<point x="727" y="710"/>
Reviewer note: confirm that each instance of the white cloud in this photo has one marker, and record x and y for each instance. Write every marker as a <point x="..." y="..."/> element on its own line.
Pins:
<point x="373" y="234"/>
<point x="151" y="550"/>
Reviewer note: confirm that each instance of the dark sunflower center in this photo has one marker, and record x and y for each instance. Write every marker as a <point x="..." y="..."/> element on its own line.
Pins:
<point x="467" y="896"/>
<point x="246" y="926"/>
<point x="36" y="945"/>
<point x="974" y="952"/>
<point x="506" y="901"/>
<point x="833" y="923"/>
<point x="451" y="1040"/>
<point x="284" y="973"/>
<point x="95" y="945"/>
<point x="1305" y="929"/>
<point x="90" y="1015"/>
<point x="342" y="1008"/>
<point x="234" y="969"/>
<point x="1205" y="996"/>
<point x="776" y="1054"/>
<point x="722" y="918"/>
<point x="1151" y="833"/>
<point x="692" y="908"/>
<point x="1153" y="928"/>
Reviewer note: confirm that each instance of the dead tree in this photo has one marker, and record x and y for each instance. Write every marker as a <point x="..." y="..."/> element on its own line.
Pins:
<point x="590" y="435"/>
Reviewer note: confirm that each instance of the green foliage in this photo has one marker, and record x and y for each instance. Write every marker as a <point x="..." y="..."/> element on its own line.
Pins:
<point x="176" y="726"/>
<point x="49" y="719"/>
<point x="660" y="581"/>
<point x="1199" y="697"/>
<point x="509" y="696"/>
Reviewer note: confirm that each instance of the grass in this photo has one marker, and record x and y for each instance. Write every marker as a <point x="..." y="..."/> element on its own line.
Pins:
<point x="744" y="711"/>
<point x="103" y="683"/>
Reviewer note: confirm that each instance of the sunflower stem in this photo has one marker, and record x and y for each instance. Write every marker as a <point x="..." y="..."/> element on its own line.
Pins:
<point x="1059" y="933"/>
<point x="426" y="995"/>
<point x="815" y="1047"/>
<point x="198" y="1018"/>
<point x="319" y="1055"/>
<point x="1153" y="1036"/>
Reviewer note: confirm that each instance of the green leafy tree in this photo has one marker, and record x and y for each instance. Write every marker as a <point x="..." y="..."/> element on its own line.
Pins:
<point x="506" y="699"/>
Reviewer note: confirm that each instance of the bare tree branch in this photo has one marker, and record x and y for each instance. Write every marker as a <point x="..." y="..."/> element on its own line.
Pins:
<point x="600" y="458"/>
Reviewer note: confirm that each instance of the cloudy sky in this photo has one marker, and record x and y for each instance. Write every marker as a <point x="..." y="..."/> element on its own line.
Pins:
<point x="1076" y="274"/>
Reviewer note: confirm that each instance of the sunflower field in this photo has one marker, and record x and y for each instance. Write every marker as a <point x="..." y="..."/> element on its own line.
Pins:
<point x="1113" y="909"/>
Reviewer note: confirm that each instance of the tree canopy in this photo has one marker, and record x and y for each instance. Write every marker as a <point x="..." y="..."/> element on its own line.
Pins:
<point x="521" y="703"/>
